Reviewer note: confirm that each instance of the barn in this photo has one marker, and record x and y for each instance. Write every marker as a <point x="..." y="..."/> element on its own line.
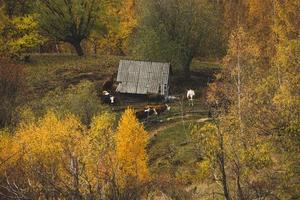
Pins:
<point x="140" y="77"/>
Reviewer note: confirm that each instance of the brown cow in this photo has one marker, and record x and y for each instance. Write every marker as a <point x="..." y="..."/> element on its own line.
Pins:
<point x="158" y="109"/>
<point x="144" y="114"/>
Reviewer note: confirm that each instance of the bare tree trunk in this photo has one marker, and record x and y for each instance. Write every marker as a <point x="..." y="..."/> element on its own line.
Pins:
<point x="95" y="48"/>
<point x="275" y="36"/>
<point x="78" y="48"/>
<point x="240" y="194"/>
<point x="56" y="47"/>
<point x="75" y="173"/>
<point x="239" y="87"/>
<point x="221" y="158"/>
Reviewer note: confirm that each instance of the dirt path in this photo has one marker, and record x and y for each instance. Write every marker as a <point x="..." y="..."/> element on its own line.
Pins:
<point x="169" y="125"/>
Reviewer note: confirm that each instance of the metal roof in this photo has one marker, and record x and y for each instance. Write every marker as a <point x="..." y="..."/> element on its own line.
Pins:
<point x="140" y="77"/>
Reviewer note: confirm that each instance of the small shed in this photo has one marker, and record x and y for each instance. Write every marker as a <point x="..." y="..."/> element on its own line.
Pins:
<point x="140" y="77"/>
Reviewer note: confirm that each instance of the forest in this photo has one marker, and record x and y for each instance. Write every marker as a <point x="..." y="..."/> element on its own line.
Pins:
<point x="238" y="140"/>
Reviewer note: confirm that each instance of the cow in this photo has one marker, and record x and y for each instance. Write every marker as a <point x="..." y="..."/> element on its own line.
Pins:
<point x="144" y="114"/>
<point x="190" y="96"/>
<point x="171" y="98"/>
<point x="158" y="109"/>
<point x="107" y="98"/>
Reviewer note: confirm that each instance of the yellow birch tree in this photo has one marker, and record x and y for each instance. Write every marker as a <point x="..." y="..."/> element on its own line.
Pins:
<point x="131" y="141"/>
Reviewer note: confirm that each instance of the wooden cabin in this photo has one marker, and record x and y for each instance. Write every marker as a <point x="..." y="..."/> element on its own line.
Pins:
<point x="140" y="77"/>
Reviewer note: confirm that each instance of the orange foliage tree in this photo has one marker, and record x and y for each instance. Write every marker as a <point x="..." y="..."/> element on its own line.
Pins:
<point x="61" y="158"/>
<point x="120" y="22"/>
<point x="131" y="141"/>
<point x="57" y="158"/>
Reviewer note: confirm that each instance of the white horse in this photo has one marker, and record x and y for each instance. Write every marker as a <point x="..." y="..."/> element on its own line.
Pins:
<point x="190" y="95"/>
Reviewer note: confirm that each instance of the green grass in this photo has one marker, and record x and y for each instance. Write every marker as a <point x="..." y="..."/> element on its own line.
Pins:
<point x="198" y="64"/>
<point x="172" y="152"/>
<point x="46" y="72"/>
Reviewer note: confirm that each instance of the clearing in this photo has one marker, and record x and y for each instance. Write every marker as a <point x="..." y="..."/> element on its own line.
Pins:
<point x="170" y="150"/>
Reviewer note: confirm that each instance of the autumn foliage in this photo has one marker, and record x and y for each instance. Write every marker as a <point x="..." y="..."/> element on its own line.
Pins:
<point x="62" y="158"/>
<point x="131" y="141"/>
<point x="66" y="145"/>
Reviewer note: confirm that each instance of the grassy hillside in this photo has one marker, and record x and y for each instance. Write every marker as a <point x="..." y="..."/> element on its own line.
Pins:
<point x="46" y="72"/>
<point x="171" y="151"/>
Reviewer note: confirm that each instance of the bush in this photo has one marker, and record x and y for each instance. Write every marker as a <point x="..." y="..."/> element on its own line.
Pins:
<point x="60" y="158"/>
<point x="18" y="35"/>
<point x="80" y="100"/>
<point x="11" y="85"/>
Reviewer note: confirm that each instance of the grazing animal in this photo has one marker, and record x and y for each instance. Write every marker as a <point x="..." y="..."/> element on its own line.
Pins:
<point x="171" y="98"/>
<point x="158" y="109"/>
<point x="144" y="114"/>
<point x="105" y="93"/>
<point x="190" y="96"/>
<point x="108" y="98"/>
<point x="112" y="99"/>
<point x="108" y="83"/>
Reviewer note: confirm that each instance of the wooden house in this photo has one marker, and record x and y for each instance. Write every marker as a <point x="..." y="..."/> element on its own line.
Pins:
<point x="140" y="77"/>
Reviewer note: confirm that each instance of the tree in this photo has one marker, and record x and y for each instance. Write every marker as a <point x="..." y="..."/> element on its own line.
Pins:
<point x="260" y="18"/>
<point x="69" y="21"/>
<point x="239" y="165"/>
<point x="60" y="158"/>
<point x="284" y="86"/>
<point x="131" y="141"/>
<point x="212" y="146"/>
<point x="120" y="21"/>
<point x="3" y="18"/>
<point x="237" y="154"/>
<point x="286" y="23"/>
<point x="128" y="23"/>
<point x="18" y="35"/>
<point x="19" y="8"/>
<point x="256" y="17"/>
<point x="57" y="158"/>
<point x="240" y="63"/>
<point x="174" y="30"/>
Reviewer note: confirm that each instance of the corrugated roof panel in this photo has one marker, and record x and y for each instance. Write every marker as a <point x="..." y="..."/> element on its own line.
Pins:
<point x="122" y="87"/>
<point x="142" y="88"/>
<point x="166" y="72"/>
<point x="131" y="87"/>
<point x="143" y="77"/>
<point x="153" y="88"/>
<point x="123" y="71"/>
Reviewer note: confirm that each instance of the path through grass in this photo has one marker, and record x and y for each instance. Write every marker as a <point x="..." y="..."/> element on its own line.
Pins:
<point x="171" y="151"/>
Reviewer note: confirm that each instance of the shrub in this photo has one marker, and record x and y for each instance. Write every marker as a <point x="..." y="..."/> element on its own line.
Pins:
<point x="80" y="100"/>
